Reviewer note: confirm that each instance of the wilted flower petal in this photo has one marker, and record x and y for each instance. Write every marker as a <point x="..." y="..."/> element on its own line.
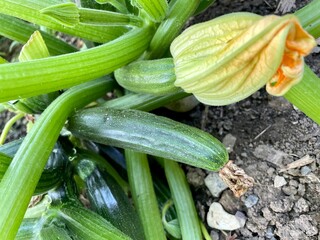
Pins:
<point x="227" y="59"/>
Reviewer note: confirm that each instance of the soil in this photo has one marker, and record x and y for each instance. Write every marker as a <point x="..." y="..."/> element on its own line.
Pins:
<point x="268" y="133"/>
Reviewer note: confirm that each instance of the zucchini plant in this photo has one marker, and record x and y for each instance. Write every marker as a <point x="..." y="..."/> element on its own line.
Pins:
<point x="133" y="51"/>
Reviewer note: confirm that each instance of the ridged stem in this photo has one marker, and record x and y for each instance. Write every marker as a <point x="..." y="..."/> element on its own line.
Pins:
<point x="21" y="31"/>
<point x="23" y="174"/>
<point x="143" y="194"/>
<point x="30" y="10"/>
<point x="183" y="201"/>
<point x="31" y="78"/>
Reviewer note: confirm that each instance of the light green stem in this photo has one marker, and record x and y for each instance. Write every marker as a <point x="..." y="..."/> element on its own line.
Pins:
<point x="31" y="78"/>
<point x="309" y="17"/>
<point x="179" y="13"/>
<point x="143" y="195"/>
<point x="306" y="95"/>
<point x="8" y="126"/>
<point x="107" y="18"/>
<point x="183" y="201"/>
<point x="21" y="31"/>
<point x="23" y="174"/>
<point x="29" y="10"/>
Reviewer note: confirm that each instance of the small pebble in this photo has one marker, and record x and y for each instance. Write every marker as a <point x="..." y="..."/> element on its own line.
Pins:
<point x="241" y="218"/>
<point x="293" y="183"/>
<point x="305" y="170"/>
<point x="214" y="235"/>
<point x="279" y="181"/>
<point x="301" y="206"/>
<point x="289" y="190"/>
<point x="229" y="141"/>
<point x="269" y="232"/>
<point x="215" y="184"/>
<point x="270" y="171"/>
<point x="251" y="200"/>
<point x="229" y="202"/>
<point x="218" y="218"/>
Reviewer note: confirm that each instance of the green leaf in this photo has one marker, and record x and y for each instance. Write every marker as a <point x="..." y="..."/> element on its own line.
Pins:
<point x="65" y="13"/>
<point x="35" y="48"/>
<point x="2" y="60"/>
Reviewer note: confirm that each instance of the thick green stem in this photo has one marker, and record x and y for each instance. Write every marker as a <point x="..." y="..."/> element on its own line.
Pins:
<point x="183" y="201"/>
<point x="144" y="102"/>
<point x="178" y="15"/>
<point x="23" y="174"/>
<point x="143" y="195"/>
<point x="30" y="10"/>
<point x="107" y="18"/>
<point x="31" y="78"/>
<point x="306" y="96"/>
<point x="309" y="17"/>
<point x="21" y="31"/>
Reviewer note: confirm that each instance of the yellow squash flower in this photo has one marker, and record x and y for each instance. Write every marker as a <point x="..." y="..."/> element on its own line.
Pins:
<point x="225" y="60"/>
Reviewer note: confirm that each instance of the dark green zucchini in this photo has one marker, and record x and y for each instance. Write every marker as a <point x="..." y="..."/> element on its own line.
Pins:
<point x="106" y="197"/>
<point x="151" y="134"/>
<point x="52" y="174"/>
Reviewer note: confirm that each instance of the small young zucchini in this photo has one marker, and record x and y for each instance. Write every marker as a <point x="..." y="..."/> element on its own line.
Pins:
<point x="147" y="133"/>
<point x="106" y="196"/>
<point x="52" y="173"/>
<point x="148" y="76"/>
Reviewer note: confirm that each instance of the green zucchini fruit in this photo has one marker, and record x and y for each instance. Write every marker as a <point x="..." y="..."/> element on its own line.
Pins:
<point x="148" y="76"/>
<point x="52" y="174"/>
<point x="147" y="133"/>
<point x="86" y="224"/>
<point x="107" y="198"/>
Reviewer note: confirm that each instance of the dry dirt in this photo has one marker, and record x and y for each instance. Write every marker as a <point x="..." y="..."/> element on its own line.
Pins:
<point x="266" y="134"/>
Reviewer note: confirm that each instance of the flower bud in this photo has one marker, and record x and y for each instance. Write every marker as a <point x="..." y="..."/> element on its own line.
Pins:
<point x="227" y="59"/>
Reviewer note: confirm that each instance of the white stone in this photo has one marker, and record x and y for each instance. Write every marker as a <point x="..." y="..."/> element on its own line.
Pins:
<point x="279" y="181"/>
<point x="229" y="141"/>
<point x="218" y="218"/>
<point x="215" y="184"/>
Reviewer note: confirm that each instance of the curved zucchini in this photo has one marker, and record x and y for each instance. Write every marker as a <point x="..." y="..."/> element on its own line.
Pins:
<point x="107" y="198"/>
<point x="52" y="173"/>
<point x="148" y="76"/>
<point x="151" y="134"/>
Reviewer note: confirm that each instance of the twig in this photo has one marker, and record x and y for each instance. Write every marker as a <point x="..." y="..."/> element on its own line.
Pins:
<point x="259" y="135"/>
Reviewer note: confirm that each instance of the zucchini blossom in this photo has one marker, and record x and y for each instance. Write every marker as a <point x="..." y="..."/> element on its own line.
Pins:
<point x="227" y="59"/>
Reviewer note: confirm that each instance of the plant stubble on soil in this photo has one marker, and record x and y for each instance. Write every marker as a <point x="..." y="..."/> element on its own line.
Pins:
<point x="264" y="134"/>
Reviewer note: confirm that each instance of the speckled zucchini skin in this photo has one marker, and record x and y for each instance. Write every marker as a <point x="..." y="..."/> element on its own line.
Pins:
<point x="148" y="76"/>
<point x="151" y="134"/>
